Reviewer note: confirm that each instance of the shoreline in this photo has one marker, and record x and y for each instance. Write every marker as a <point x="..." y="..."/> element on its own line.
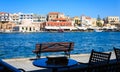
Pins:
<point x="53" y="32"/>
<point x="80" y="30"/>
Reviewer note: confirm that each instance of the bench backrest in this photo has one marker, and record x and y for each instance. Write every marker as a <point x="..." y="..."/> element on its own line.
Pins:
<point x="53" y="47"/>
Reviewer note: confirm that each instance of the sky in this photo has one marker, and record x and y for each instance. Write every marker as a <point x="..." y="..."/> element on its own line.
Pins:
<point x="71" y="8"/>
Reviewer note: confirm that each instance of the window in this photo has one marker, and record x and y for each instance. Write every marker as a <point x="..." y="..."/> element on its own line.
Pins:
<point x="33" y="28"/>
<point x="6" y="14"/>
<point x="26" y="28"/>
<point x="22" y="28"/>
<point x="30" y="29"/>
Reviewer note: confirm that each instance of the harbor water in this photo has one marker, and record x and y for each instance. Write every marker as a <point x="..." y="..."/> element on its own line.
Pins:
<point x="20" y="45"/>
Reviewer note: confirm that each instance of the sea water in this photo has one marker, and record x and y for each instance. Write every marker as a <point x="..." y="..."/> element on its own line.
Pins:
<point x="19" y="45"/>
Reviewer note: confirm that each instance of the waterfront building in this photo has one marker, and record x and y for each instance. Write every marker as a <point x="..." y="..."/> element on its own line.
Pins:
<point x="93" y="22"/>
<point x="112" y="22"/>
<point x="14" y="18"/>
<point x="53" y="15"/>
<point x="7" y="26"/>
<point x="100" y="21"/>
<point x="61" y="15"/>
<point x="4" y="16"/>
<point x="27" y="26"/>
<point x="28" y="22"/>
<point x="39" y="18"/>
<point x="24" y="16"/>
<point x="112" y="19"/>
<point x="76" y="21"/>
<point x="109" y="26"/>
<point x="38" y="21"/>
<point x="59" y="23"/>
<point x="86" y="20"/>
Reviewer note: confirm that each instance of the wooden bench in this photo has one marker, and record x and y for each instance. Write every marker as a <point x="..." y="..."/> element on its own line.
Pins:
<point x="65" y="47"/>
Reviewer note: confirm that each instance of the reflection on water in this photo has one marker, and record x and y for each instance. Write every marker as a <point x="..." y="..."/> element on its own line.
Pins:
<point x="14" y="45"/>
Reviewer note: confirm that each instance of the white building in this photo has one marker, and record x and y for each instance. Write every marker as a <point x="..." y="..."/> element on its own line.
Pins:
<point x="113" y="19"/>
<point x="86" y="21"/>
<point x="39" y="18"/>
<point x="4" y="16"/>
<point x="24" y="16"/>
<point x="27" y="26"/>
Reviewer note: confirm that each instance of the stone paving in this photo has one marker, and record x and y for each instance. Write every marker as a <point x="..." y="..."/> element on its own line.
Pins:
<point x="26" y="63"/>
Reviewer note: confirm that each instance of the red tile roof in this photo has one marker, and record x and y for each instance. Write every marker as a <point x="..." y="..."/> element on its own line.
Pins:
<point x="50" y="23"/>
<point x="53" y="13"/>
<point x="2" y="12"/>
<point x="60" y="19"/>
<point x="88" y="17"/>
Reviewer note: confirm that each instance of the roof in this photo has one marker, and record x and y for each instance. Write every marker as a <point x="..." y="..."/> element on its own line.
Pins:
<point x="59" y="19"/>
<point x="53" y="13"/>
<point x="52" y="22"/>
<point x="2" y="12"/>
<point x="88" y="17"/>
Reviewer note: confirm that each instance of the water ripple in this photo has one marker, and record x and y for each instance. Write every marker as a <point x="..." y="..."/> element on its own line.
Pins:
<point x="16" y="45"/>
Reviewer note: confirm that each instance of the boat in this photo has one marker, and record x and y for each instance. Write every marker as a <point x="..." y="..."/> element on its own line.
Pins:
<point x="60" y="30"/>
<point x="98" y="30"/>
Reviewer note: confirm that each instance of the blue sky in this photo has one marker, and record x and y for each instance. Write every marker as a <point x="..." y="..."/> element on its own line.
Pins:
<point x="72" y="8"/>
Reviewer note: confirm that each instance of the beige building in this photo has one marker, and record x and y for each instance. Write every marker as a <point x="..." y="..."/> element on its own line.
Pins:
<point x="101" y="21"/>
<point x="76" y="20"/>
<point x="27" y="26"/>
<point x="93" y="20"/>
<point x="112" y="19"/>
<point x="15" y="18"/>
<point x="53" y="15"/>
<point x="7" y="26"/>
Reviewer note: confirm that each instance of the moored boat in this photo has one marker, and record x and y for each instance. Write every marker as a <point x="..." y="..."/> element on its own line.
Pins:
<point x="60" y="30"/>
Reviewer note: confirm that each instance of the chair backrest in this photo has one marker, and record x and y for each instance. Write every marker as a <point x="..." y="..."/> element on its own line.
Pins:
<point x="117" y="54"/>
<point x="99" y="58"/>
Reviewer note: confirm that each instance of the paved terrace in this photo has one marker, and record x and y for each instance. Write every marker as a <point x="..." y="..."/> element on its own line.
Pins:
<point x="26" y="63"/>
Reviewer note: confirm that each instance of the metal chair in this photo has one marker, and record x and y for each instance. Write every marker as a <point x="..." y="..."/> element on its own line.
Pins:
<point x="98" y="62"/>
<point x="117" y="54"/>
<point x="97" y="58"/>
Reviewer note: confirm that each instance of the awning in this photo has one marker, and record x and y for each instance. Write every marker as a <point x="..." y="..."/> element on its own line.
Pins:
<point x="61" y="27"/>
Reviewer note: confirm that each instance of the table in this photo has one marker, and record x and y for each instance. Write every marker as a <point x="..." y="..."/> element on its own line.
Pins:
<point x="42" y="63"/>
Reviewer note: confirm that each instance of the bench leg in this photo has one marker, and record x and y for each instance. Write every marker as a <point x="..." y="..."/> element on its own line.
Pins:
<point x="38" y="55"/>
